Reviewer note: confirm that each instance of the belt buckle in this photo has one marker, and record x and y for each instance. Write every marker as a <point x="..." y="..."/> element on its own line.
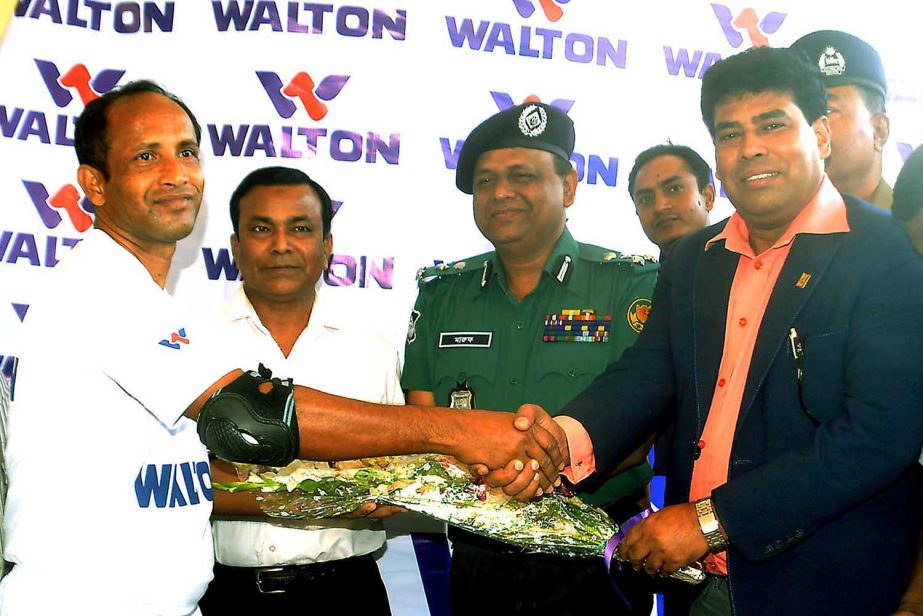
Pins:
<point x="259" y="581"/>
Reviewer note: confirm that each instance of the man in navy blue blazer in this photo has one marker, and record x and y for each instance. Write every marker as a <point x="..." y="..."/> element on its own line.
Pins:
<point x="785" y="347"/>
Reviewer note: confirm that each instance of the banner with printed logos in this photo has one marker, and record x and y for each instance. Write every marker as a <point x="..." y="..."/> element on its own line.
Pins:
<point x="373" y="100"/>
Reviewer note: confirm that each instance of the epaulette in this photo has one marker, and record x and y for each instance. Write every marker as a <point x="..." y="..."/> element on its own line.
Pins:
<point x="637" y="263"/>
<point x="480" y="263"/>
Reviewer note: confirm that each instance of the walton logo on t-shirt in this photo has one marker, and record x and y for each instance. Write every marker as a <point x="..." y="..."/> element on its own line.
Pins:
<point x="166" y="489"/>
<point x="175" y="339"/>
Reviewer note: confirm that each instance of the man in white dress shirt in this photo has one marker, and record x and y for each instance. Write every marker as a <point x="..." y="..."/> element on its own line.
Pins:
<point x="281" y="243"/>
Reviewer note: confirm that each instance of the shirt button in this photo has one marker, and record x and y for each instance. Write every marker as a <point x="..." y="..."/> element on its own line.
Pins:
<point x="520" y="325"/>
<point x="722" y="382"/>
<point x="743" y="321"/>
<point x="572" y="372"/>
<point x="514" y="381"/>
<point x="272" y="548"/>
<point x="758" y="265"/>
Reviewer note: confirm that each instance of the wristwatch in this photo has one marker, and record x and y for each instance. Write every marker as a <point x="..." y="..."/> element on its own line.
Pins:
<point x="708" y="522"/>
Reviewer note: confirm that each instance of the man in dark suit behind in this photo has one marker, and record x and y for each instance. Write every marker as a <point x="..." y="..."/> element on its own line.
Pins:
<point x="785" y="345"/>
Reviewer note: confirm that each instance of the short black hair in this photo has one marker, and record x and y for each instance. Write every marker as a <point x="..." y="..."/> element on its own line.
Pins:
<point x="90" y="133"/>
<point x="908" y="189"/>
<point x="280" y="176"/>
<point x="763" y="69"/>
<point x="694" y="162"/>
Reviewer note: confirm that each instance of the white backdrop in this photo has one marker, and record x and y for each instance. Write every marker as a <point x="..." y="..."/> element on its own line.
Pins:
<point x="420" y="74"/>
<point x="396" y="87"/>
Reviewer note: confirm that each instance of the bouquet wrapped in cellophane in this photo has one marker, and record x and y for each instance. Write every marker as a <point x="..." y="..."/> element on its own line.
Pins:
<point x="435" y="485"/>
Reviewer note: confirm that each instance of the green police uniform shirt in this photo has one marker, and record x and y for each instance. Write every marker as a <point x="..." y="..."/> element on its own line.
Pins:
<point x="468" y="331"/>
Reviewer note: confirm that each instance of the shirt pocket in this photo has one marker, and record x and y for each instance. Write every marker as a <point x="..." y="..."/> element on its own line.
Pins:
<point x="569" y="367"/>
<point x="822" y="379"/>
<point x="475" y="365"/>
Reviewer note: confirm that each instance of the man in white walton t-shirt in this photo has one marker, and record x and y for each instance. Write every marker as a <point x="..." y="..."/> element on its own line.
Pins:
<point x="281" y="243"/>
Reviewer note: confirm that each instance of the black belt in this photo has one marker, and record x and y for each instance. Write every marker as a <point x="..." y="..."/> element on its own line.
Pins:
<point x="276" y="580"/>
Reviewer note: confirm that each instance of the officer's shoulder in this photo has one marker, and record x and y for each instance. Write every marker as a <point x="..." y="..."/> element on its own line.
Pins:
<point x="452" y="270"/>
<point x="637" y="264"/>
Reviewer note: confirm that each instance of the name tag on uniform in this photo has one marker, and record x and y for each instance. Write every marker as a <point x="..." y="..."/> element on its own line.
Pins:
<point x="465" y="339"/>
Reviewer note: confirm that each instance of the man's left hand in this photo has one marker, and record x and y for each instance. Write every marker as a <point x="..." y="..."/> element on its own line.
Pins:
<point x="669" y="539"/>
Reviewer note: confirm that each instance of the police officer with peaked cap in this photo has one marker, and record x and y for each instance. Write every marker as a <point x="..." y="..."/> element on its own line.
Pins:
<point x="534" y="321"/>
<point x="854" y="77"/>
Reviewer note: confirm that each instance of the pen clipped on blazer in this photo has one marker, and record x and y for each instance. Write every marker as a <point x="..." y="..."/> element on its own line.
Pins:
<point x="797" y="351"/>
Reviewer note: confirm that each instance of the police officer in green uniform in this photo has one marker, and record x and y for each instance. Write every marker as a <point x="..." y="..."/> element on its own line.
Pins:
<point x="857" y="88"/>
<point x="532" y="322"/>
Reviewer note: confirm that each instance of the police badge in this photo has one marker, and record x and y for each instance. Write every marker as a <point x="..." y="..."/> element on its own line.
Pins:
<point x="462" y="397"/>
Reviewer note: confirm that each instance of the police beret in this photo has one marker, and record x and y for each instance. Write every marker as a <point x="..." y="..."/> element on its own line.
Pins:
<point x="843" y="59"/>
<point x="531" y="125"/>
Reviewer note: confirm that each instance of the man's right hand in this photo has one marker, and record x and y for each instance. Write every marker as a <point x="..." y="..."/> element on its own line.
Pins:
<point x="545" y="447"/>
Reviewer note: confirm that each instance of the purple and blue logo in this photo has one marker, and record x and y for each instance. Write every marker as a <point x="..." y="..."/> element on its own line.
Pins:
<point x="77" y="79"/>
<point x="16" y="246"/>
<point x="363" y="272"/>
<point x="550" y="8"/>
<point x="124" y="17"/>
<point x="288" y="141"/>
<point x="748" y="22"/>
<point x="693" y="63"/>
<point x="342" y="270"/>
<point x="540" y="42"/>
<point x="79" y="209"/>
<point x="504" y="101"/>
<point x="19" y="123"/>
<point x="301" y="88"/>
<point x="310" y="18"/>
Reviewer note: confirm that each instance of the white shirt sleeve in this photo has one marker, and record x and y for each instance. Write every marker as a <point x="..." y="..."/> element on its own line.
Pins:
<point x="165" y="368"/>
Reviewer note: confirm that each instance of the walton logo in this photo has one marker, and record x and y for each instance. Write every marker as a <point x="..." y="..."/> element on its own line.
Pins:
<point x="77" y="78"/>
<point x="504" y="101"/>
<point x="175" y="339"/>
<point x="747" y="21"/>
<point x="301" y="88"/>
<point x="552" y="11"/>
<point x="67" y="198"/>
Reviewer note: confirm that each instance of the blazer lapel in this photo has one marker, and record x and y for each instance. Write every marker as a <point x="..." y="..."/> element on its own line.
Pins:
<point x="800" y="276"/>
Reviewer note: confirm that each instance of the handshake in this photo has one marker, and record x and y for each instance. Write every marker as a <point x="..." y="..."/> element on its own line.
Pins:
<point x="521" y="453"/>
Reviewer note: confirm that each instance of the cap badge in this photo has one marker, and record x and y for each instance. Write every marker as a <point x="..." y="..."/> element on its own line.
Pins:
<point x="831" y="62"/>
<point x="532" y="121"/>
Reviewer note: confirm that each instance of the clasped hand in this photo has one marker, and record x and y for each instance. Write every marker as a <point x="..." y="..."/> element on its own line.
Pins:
<point x="529" y="450"/>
